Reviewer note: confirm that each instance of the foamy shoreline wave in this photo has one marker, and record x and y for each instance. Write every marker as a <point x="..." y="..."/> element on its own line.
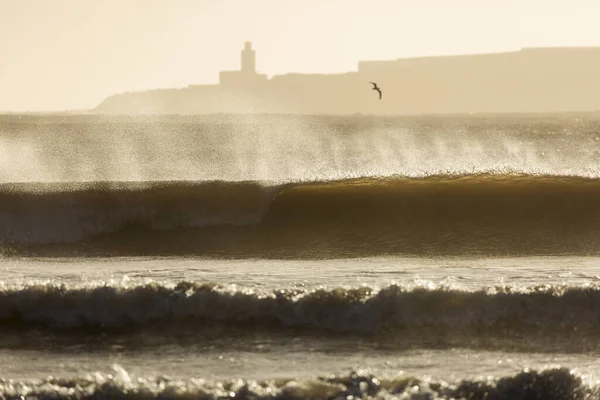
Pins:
<point x="541" y="310"/>
<point x="551" y="384"/>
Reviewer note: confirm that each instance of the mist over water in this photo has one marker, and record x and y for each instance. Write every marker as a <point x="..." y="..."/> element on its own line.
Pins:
<point x="291" y="148"/>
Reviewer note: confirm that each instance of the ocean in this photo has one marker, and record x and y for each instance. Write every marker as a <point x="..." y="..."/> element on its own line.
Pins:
<point x="293" y="257"/>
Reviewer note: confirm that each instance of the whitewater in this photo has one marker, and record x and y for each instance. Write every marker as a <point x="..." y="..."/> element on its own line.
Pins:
<point x="279" y="256"/>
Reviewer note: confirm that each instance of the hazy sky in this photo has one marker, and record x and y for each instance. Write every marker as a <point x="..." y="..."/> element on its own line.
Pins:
<point x="70" y="54"/>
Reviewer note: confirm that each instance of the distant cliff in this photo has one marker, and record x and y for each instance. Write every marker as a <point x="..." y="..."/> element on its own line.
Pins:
<point x="530" y="80"/>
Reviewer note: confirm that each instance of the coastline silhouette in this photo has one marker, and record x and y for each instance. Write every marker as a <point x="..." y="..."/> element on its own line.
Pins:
<point x="456" y="84"/>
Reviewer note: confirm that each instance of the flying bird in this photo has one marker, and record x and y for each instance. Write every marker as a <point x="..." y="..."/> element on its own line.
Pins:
<point x="375" y="87"/>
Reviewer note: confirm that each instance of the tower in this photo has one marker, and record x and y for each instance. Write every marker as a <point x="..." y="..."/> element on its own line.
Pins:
<point x="247" y="75"/>
<point x="248" y="59"/>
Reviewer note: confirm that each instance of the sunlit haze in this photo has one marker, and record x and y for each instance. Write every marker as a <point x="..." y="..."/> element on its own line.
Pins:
<point x="300" y="199"/>
<point x="71" y="54"/>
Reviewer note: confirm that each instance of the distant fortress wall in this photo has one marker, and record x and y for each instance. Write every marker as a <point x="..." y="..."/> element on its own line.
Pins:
<point x="529" y="80"/>
<point x="564" y="60"/>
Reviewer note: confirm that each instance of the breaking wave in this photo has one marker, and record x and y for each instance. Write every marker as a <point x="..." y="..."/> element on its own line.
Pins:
<point x="446" y="214"/>
<point x="364" y="310"/>
<point x="550" y="384"/>
<point x="54" y="213"/>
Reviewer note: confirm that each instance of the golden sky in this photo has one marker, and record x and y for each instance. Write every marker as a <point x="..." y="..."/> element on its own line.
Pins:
<point x="71" y="54"/>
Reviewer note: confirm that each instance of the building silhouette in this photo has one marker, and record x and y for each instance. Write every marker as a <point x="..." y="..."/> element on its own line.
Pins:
<point x="247" y="75"/>
<point x="538" y="80"/>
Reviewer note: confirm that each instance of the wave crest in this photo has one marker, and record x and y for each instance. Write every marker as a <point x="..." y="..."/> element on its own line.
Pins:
<point x="551" y="384"/>
<point x="491" y="214"/>
<point x="354" y="310"/>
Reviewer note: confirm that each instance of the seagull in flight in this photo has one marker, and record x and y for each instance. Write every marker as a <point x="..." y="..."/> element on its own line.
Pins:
<point x="375" y="87"/>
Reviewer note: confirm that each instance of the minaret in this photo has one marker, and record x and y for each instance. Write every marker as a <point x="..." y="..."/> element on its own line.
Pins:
<point x="248" y="59"/>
